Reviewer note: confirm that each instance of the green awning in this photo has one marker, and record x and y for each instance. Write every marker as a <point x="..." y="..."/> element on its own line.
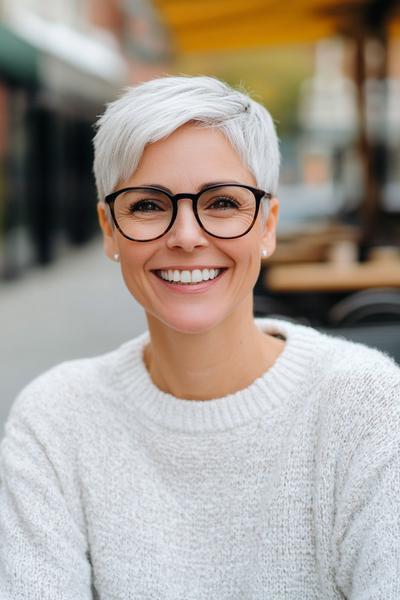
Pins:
<point x="19" y="61"/>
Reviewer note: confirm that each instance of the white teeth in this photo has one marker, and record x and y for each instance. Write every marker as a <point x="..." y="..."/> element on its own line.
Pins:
<point x="188" y="277"/>
<point x="196" y="276"/>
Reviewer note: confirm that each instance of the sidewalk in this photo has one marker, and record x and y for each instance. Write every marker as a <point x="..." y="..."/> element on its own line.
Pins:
<point x="77" y="307"/>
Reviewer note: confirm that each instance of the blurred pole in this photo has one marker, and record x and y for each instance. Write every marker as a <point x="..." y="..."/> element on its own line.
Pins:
<point x="41" y="165"/>
<point x="371" y="200"/>
<point x="372" y="28"/>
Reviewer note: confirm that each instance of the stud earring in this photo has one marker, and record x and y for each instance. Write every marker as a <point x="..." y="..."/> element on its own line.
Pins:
<point x="264" y="252"/>
<point x="116" y="257"/>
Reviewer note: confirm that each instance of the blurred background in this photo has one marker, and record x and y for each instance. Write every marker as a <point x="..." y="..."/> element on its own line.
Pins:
<point x="328" y="71"/>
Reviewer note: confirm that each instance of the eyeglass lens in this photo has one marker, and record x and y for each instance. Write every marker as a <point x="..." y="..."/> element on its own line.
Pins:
<point x="144" y="214"/>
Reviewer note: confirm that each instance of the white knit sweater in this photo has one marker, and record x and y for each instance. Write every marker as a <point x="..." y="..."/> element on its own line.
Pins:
<point x="288" y="489"/>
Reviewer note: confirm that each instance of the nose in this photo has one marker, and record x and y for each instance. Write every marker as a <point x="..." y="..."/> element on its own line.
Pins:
<point x="186" y="232"/>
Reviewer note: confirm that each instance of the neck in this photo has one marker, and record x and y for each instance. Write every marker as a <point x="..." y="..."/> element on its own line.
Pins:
<point x="212" y="364"/>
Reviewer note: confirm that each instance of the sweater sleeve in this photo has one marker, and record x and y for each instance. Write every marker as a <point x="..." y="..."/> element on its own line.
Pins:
<point x="42" y="549"/>
<point x="368" y="508"/>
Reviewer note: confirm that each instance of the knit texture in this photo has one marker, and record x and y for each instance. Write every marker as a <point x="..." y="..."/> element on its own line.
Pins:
<point x="289" y="489"/>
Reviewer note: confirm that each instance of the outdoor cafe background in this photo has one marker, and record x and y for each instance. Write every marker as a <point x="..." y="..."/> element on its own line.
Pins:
<point x="328" y="71"/>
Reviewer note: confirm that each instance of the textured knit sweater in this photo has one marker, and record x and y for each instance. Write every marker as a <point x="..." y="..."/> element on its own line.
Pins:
<point x="289" y="489"/>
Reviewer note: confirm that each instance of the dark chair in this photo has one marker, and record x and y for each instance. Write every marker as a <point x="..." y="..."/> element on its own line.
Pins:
<point x="381" y="305"/>
<point x="371" y="317"/>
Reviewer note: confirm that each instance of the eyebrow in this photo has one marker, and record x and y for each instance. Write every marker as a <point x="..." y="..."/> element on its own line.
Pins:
<point x="200" y="189"/>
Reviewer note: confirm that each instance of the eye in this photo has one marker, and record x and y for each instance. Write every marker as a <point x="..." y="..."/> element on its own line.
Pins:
<point x="223" y="203"/>
<point x="145" y="206"/>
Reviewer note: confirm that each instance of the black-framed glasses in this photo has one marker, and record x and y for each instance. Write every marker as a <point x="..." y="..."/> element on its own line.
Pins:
<point x="144" y="214"/>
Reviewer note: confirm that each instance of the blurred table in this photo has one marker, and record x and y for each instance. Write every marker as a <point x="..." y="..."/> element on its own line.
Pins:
<point x="332" y="277"/>
<point x="312" y="244"/>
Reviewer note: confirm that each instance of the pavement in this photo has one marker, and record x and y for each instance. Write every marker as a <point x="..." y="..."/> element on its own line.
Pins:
<point x="76" y="307"/>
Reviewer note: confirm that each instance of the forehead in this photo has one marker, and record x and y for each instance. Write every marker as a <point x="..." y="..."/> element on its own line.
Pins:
<point x="194" y="155"/>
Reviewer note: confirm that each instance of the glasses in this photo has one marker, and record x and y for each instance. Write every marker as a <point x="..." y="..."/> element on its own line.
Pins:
<point x="144" y="214"/>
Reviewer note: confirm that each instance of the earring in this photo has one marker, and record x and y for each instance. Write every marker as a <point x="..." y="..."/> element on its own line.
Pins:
<point x="116" y="256"/>
<point x="264" y="252"/>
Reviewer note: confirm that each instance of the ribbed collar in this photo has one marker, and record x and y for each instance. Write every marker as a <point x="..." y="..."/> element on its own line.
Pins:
<point x="265" y="393"/>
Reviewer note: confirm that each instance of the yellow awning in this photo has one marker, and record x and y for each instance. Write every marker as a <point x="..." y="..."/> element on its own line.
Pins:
<point x="207" y="25"/>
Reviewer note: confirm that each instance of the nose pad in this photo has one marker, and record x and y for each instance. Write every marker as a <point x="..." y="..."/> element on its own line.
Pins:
<point x="185" y="213"/>
<point x="186" y="230"/>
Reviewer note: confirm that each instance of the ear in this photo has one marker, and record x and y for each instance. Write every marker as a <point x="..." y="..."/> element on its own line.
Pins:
<point x="109" y="241"/>
<point x="270" y="226"/>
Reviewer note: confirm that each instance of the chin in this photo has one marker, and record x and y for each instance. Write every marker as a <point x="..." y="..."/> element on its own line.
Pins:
<point x="190" y="322"/>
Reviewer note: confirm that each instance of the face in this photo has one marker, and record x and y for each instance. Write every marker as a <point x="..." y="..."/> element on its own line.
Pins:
<point x="183" y="162"/>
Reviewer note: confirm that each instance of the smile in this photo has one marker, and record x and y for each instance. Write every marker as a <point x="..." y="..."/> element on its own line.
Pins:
<point x="188" y="277"/>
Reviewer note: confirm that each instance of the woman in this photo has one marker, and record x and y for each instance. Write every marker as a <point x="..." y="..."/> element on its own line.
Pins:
<point x="214" y="456"/>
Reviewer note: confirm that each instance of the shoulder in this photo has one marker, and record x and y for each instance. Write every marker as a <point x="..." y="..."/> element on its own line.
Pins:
<point x="355" y="366"/>
<point x="337" y="371"/>
<point x="353" y="387"/>
<point x="358" y="391"/>
<point x="352" y="403"/>
<point x="337" y="362"/>
<point x="70" y="390"/>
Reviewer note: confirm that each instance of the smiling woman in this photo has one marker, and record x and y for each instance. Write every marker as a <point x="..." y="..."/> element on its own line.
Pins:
<point x="209" y="227"/>
<point x="216" y="455"/>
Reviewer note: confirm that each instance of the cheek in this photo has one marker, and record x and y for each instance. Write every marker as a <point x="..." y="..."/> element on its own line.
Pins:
<point x="133" y="259"/>
<point x="245" y="253"/>
<point x="246" y="259"/>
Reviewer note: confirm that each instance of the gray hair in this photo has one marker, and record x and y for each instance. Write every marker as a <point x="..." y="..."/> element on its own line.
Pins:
<point x="153" y="110"/>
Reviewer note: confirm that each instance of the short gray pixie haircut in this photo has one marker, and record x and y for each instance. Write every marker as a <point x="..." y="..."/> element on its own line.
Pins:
<point x="152" y="110"/>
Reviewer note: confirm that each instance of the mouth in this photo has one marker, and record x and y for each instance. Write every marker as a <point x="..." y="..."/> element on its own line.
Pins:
<point x="189" y="277"/>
